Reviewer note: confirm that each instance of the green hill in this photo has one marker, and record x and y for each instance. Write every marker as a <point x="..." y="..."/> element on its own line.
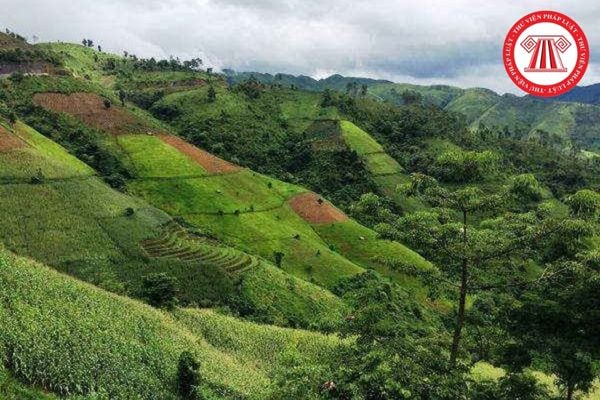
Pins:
<point x="56" y="210"/>
<point x="121" y="348"/>
<point x="242" y="208"/>
<point x="519" y="116"/>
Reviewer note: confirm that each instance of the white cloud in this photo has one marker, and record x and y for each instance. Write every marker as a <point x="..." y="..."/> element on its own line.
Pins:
<point x="455" y="42"/>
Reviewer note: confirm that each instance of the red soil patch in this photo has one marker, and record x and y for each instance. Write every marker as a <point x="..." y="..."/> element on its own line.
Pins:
<point x="90" y="109"/>
<point x="8" y="141"/>
<point x="308" y="206"/>
<point x="212" y="164"/>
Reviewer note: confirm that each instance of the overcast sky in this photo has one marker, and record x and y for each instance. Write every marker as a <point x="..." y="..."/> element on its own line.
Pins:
<point x="418" y="41"/>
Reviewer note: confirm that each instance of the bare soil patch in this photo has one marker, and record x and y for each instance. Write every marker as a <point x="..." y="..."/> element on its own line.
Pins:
<point x="211" y="163"/>
<point x="91" y="109"/>
<point x="8" y="141"/>
<point x="316" y="210"/>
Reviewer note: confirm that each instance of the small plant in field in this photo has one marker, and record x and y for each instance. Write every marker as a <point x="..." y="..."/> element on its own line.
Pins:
<point x="38" y="178"/>
<point x="278" y="258"/>
<point x="211" y="95"/>
<point x="160" y="290"/>
<point x="129" y="212"/>
<point x="187" y="376"/>
<point x="107" y="103"/>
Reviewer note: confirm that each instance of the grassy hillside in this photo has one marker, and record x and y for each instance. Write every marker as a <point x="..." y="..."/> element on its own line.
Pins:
<point x="125" y="349"/>
<point x="246" y="209"/>
<point x="264" y="346"/>
<point x="56" y="210"/>
<point x="386" y="172"/>
<point x="32" y="153"/>
<point x="139" y="347"/>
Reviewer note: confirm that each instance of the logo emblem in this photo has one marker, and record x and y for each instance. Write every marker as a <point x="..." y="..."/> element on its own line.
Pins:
<point x="546" y="53"/>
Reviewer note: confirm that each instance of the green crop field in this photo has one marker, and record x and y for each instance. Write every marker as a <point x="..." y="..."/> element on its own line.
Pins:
<point x="382" y="164"/>
<point x="306" y="255"/>
<point x="151" y="157"/>
<point x="358" y="140"/>
<point x="243" y="191"/>
<point x="264" y="346"/>
<point x="39" y="155"/>
<point x="362" y="246"/>
<point x="79" y="225"/>
<point x="120" y="349"/>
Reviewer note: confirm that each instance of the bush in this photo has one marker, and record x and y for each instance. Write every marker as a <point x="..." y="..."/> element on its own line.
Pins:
<point x="584" y="203"/>
<point x="527" y="188"/>
<point x="160" y="290"/>
<point x="38" y="178"/>
<point x="466" y="166"/>
<point x="187" y="376"/>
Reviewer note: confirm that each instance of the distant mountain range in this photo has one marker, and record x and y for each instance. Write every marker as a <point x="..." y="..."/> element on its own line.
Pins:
<point x="573" y="117"/>
<point x="335" y="82"/>
<point x="582" y="94"/>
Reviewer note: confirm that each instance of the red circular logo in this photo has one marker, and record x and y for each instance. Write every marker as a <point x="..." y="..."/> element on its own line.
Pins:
<point x="545" y="53"/>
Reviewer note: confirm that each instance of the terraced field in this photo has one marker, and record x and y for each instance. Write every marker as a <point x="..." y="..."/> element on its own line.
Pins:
<point x="177" y="243"/>
<point x="74" y="222"/>
<point x="239" y="206"/>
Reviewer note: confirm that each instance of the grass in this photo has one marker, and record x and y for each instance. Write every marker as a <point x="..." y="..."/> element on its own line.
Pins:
<point x="125" y="349"/>
<point x="283" y="299"/>
<point x="361" y="245"/>
<point x="262" y="345"/>
<point x="382" y="164"/>
<point x="359" y="140"/>
<point x="388" y="184"/>
<point x="151" y="157"/>
<point x="281" y="230"/>
<point x="122" y="348"/>
<point x="244" y="191"/>
<point x="79" y="226"/>
<point x="249" y="211"/>
<point x="82" y="61"/>
<point x="40" y="154"/>
<point x="387" y="172"/>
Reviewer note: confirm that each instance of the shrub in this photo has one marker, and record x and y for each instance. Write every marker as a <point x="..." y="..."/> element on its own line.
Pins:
<point x="527" y="188"/>
<point x="584" y="203"/>
<point x="38" y="178"/>
<point x="278" y="258"/>
<point x="187" y="376"/>
<point x="160" y="290"/>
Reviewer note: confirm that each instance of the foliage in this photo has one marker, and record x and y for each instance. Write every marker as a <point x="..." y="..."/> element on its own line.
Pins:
<point x="187" y="375"/>
<point x="568" y="350"/>
<point x="527" y="188"/>
<point x="160" y="290"/>
<point x="459" y="166"/>
<point x="390" y="359"/>
<point x="584" y="203"/>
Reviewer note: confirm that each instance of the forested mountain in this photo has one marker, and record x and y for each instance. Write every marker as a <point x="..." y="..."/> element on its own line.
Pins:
<point x="174" y="233"/>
